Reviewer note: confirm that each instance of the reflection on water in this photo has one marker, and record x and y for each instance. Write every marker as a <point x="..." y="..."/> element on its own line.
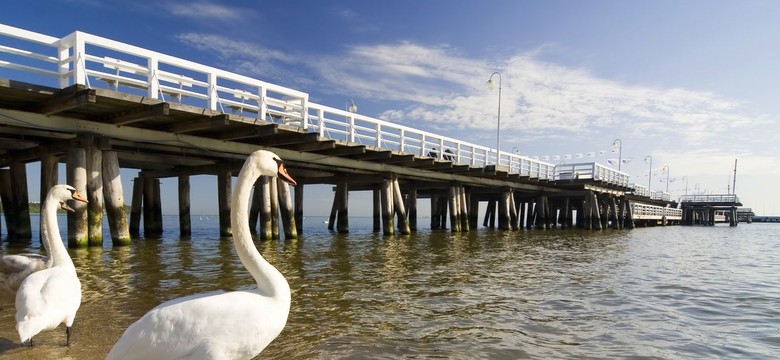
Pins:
<point x="674" y="292"/>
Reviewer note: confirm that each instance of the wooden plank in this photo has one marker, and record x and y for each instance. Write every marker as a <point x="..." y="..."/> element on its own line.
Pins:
<point x="65" y="101"/>
<point x="201" y="124"/>
<point x="138" y="114"/>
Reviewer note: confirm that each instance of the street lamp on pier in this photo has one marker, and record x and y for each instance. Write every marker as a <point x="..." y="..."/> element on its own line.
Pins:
<point x="489" y="84"/>
<point x="666" y="169"/>
<point x="686" y="184"/>
<point x="619" y="145"/>
<point x="351" y="107"/>
<point x="649" y="173"/>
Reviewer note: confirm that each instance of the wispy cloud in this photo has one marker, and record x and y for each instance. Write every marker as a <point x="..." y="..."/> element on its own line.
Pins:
<point x="203" y="10"/>
<point x="442" y="88"/>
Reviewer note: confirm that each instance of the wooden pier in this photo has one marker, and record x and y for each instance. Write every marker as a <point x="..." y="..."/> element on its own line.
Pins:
<point x="100" y="106"/>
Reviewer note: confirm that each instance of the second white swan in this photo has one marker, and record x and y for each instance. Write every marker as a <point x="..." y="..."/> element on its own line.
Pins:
<point x="220" y="325"/>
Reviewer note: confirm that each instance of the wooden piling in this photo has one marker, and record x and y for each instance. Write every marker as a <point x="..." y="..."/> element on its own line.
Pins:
<point x="77" y="177"/>
<point x="286" y="210"/>
<point x="452" y="202"/>
<point x="342" y="222"/>
<point x="49" y="176"/>
<point x="388" y="228"/>
<point x="464" y="209"/>
<point x="255" y="206"/>
<point x="566" y="213"/>
<point x="334" y="209"/>
<point x="473" y="211"/>
<point x="521" y="213"/>
<point x="94" y="194"/>
<point x="377" y="209"/>
<point x="613" y="213"/>
<point x="503" y="210"/>
<point x="21" y="202"/>
<point x="151" y="208"/>
<point x="490" y="214"/>
<point x="512" y="212"/>
<point x="136" y="207"/>
<point x="273" y="181"/>
<point x="185" y="223"/>
<point x="530" y="214"/>
<point x="629" y="222"/>
<point x="115" y="200"/>
<point x="398" y="206"/>
<point x="595" y="212"/>
<point x="541" y="213"/>
<point x="265" y="208"/>
<point x="7" y="198"/>
<point x="435" y="212"/>
<point x="224" y="189"/>
<point x="299" y="208"/>
<point x="412" y="213"/>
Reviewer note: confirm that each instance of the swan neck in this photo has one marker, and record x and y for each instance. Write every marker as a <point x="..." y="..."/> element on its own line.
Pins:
<point x="50" y="235"/>
<point x="269" y="280"/>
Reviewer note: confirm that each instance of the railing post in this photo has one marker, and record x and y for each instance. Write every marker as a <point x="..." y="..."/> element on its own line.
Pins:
<point x="213" y="96"/>
<point x="351" y="122"/>
<point x="378" y="129"/>
<point x="63" y="53"/>
<point x="153" y="79"/>
<point x="321" y="119"/>
<point x="402" y="140"/>
<point x="262" y="92"/>
<point x="79" y="64"/>
<point x="305" y="112"/>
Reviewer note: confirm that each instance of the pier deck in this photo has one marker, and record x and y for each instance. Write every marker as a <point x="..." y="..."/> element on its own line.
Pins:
<point x="169" y="117"/>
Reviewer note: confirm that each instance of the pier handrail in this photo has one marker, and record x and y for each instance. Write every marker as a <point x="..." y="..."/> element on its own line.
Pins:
<point x="713" y="198"/>
<point x="85" y="59"/>
<point x="591" y="171"/>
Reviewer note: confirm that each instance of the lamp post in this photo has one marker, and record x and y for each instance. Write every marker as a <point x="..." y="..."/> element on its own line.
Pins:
<point x="649" y="173"/>
<point x="350" y="106"/>
<point x="666" y="169"/>
<point x="686" y="184"/>
<point x="489" y="85"/>
<point x="619" y="144"/>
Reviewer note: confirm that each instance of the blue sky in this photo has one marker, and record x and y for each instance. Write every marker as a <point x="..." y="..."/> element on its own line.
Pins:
<point x="694" y="84"/>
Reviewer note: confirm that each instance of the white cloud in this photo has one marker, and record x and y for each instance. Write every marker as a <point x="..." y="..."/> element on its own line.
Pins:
<point x="203" y="10"/>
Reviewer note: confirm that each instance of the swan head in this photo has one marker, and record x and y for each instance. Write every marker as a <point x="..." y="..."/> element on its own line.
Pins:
<point x="270" y="164"/>
<point x="62" y="193"/>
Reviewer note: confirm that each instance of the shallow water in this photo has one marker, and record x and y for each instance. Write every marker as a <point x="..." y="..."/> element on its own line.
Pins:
<point x="649" y="293"/>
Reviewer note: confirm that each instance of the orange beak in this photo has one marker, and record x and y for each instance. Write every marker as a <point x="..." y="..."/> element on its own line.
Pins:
<point x="285" y="176"/>
<point x="78" y="197"/>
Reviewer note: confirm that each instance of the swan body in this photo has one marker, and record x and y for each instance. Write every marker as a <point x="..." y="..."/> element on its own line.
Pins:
<point x="51" y="296"/>
<point x="219" y="325"/>
<point x="15" y="268"/>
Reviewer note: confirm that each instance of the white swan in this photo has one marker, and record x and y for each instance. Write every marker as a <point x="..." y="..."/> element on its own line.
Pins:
<point x="219" y="325"/>
<point x="52" y="296"/>
<point x="15" y="268"/>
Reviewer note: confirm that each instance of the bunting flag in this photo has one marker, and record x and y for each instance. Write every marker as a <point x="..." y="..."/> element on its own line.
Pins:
<point x="589" y="154"/>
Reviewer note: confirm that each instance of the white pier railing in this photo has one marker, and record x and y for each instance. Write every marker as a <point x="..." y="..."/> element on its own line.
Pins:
<point x="642" y="211"/>
<point x="713" y="198"/>
<point x="81" y="58"/>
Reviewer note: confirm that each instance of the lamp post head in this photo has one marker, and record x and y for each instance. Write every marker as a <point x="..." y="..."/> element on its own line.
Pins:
<point x="615" y="144"/>
<point x="648" y="158"/>
<point x="351" y="107"/>
<point x="490" y="84"/>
